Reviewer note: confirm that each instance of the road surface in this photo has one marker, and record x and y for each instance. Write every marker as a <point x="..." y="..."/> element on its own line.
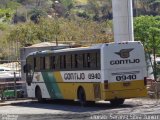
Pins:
<point x="32" y="110"/>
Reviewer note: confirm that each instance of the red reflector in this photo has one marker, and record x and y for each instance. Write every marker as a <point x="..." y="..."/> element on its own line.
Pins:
<point x="106" y="84"/>
<point x="145" y="80"/>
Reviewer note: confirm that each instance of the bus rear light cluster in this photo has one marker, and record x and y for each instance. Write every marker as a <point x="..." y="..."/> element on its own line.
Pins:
<point x="145" y="80"/>
<point x="106" y="84"/>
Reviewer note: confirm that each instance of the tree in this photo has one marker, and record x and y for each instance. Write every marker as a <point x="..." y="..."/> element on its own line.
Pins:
<point x="6" y="15"/>
<point x="147" y="30"/>
<point x="48" y="29"/>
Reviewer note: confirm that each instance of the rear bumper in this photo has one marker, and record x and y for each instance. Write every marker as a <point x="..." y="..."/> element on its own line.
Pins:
<point x="125" y="94"/>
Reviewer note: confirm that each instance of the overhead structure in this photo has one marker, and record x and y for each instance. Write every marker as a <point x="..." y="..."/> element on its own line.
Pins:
<point x="122" y="20"/>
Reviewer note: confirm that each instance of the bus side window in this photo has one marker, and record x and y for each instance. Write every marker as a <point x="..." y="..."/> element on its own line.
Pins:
<point x="42" y="63"/>
<point x="68" y="62"/>
<point x="57" y="62"/>
<point x="95" y="60"/>
<point x="37" y="64"/>
<point x="80" y="61"/>
<point x="98" y="63"/>
<point x="75" y="60"/>
<point x="47" y="63"/>
<point x="72" y="61"/>
<point x="86" y="60"/>
<point x="62" y="61"/>
<point x="52" y="62"/>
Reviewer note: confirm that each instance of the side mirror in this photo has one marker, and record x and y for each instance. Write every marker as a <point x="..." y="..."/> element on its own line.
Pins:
<point x="26" y="68"/>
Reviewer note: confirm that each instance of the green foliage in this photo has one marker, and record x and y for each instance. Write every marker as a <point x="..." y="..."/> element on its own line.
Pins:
<point x="99" y="10"/>
<point x="147" y="29"/>
<point x="23" y="33"/>
<point x="47" y="30"/>
<point x="63" y="30"/>
<point x="67" y="3"/>
<point x="36" y="14"/>
<point x="3" y="26"/>
<point x="6" y="15"/>
<point x="13" y="5"/>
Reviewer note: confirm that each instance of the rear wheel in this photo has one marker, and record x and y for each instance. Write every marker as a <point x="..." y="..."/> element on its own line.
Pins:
<point x="82" y="96"/>
<point x="117" y="102"/>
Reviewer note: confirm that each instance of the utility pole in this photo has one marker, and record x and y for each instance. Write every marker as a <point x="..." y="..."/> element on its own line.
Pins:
<point x="122" y="20"/>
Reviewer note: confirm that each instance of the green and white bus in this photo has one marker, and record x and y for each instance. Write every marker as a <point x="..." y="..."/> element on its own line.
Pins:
<point x="111" y="72"/>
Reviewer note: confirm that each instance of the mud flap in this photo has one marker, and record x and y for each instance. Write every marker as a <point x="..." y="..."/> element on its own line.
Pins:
<point x="97" y="91"/>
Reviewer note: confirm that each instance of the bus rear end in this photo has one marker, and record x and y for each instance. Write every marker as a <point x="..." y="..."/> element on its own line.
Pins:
<point x="123" y="71"/>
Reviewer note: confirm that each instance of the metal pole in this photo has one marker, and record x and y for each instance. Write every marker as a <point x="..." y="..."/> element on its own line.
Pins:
<point x="15" y="90"/>
<point x="56" y="41"/>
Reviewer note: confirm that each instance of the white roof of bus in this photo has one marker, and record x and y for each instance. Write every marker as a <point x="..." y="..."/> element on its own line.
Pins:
<point x="96" y="46"/>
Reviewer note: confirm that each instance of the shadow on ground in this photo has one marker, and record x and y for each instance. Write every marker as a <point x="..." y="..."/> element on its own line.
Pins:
<point x="71" y="106"/>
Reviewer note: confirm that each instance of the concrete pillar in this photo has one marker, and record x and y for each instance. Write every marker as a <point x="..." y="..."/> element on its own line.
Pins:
<point x="122" y="20"/>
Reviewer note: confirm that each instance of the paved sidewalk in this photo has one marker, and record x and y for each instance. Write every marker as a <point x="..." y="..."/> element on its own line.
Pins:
<point x="12" y="102"/>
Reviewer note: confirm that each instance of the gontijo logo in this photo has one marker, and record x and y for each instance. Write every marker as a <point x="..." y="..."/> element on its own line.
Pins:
<point x="124" y="53"/>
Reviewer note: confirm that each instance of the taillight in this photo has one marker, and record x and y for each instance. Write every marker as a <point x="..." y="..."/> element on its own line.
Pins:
<point x="145" y="80"/>
<point x="106" y="84"/>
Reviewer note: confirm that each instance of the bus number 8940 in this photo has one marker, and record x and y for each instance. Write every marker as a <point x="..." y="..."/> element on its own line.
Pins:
<point x="125" y="77"/>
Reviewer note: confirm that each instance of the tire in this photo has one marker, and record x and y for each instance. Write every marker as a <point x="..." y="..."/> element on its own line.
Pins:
<point x="117" y="102"/>
<point x="38" y="94"/>
<point x="82" y="96"/>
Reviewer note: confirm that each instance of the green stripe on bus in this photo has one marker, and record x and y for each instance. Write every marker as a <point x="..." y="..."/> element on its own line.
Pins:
<point x="51" y="85"/>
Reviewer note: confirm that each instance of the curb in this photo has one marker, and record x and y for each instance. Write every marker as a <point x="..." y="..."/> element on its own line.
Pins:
<point x="4" y="104"/>
<point x="14" y="102"/>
